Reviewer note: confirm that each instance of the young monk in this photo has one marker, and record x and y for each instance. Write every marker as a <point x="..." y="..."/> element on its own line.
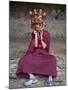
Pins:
<point x="38" y="60"/>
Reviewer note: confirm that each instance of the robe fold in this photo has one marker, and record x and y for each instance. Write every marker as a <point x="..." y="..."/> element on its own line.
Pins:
<point x="38" y="61"/>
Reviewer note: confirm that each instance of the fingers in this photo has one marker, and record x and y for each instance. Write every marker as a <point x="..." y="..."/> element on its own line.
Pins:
<point x="35" y="32"/>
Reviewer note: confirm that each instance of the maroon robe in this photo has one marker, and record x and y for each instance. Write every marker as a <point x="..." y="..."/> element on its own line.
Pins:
<point x="38" y="60"/>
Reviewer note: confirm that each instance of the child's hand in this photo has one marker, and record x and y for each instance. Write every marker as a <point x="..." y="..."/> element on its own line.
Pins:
<point x="41" y="36"/>
<point x="43" y="43"/>
<point x="35" y="32"/>
<point x="36" y="39"/>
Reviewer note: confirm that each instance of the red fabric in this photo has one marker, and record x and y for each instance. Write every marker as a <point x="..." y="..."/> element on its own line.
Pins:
<point x="38" y="60"/>
<point x="39" y="44"/>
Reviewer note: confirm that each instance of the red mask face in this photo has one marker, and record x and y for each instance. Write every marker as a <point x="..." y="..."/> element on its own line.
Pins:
<point x="37" y="20"/>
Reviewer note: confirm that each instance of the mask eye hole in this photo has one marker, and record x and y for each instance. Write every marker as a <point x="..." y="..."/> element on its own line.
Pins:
<point x="40" y="24"/>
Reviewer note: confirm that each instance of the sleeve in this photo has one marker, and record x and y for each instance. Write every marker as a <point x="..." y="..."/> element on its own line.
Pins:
<point x="46" y="39"/>
<point x="31" y="45"/>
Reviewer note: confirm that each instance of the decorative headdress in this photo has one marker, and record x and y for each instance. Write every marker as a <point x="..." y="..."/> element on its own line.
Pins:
<point x="37" y="16"/>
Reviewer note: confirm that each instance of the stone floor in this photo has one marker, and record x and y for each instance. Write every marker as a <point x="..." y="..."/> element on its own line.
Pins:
<point x="17" y="49"/>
